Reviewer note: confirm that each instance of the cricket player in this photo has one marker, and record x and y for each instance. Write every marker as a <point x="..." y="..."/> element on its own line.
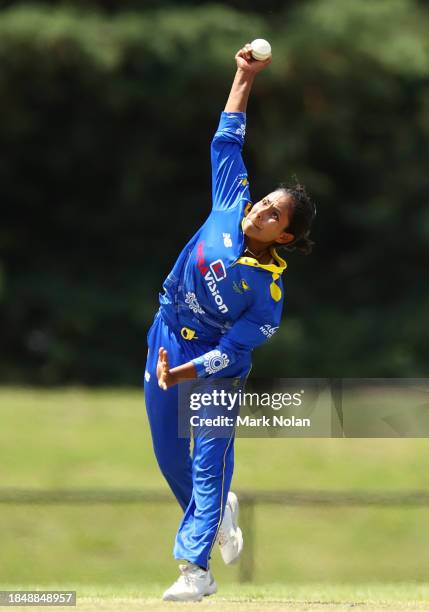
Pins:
<point x="222" y="299"/>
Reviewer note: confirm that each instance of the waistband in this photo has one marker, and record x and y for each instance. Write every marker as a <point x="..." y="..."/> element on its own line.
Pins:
<point x="185" y="332"/>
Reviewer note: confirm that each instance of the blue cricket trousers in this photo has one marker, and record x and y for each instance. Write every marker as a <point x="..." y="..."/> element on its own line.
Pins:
<point x="200" y="482"/>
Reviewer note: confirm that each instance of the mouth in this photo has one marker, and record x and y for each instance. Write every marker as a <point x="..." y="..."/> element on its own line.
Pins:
<point x="254" y="224"/>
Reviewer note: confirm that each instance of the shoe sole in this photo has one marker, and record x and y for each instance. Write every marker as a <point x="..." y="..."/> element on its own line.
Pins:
<point x="239" y="536"/>
<point x="212" y="588"/>
<point x="212" y="591"/>
<point x="233" y="503"/>
<point x="174" y="598"/>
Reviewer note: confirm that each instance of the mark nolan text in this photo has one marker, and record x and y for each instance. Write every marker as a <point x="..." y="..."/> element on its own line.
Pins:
<point x="273" y="421"/>
<point x="248" y="421"/>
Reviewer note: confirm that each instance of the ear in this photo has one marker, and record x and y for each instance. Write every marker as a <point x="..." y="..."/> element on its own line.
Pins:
<point x="285" y="238"/>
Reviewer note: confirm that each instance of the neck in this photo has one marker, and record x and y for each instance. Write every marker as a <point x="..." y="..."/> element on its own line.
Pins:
<point x="258" y="250"/>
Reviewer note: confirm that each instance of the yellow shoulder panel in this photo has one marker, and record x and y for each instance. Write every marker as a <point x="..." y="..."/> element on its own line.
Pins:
<point x="275" y="291"/>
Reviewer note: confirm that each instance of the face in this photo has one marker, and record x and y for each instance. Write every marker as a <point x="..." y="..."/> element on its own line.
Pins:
<point x="268" y="220"/>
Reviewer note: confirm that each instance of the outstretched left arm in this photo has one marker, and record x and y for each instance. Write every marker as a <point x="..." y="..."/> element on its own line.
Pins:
<point x="166" y="377"/>
<point x="252" y="329"/>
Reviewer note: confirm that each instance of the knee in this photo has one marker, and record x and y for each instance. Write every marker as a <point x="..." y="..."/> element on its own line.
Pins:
<point x="213" y="466"/>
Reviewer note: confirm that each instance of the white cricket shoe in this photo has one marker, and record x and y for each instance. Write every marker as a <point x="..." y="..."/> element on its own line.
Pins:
<point x="212" y="588"/>
<point x="230" y="537"/>
<point x="192" y="585"/>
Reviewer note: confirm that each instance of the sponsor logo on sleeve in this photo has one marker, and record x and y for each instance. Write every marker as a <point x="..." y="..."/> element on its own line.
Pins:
<point x="241" y="130"/>
<point x="268" y="330"/>
<point x="242" y="179"/>
<point x="215" y="361"/>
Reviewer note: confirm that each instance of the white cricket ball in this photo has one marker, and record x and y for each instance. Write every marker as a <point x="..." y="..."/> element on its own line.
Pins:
<point x="261" y="49"/>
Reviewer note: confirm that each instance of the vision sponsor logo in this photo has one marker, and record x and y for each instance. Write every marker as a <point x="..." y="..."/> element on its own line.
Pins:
<point x="268" y="330"/>
<point x="218" y="269"/>
<point x="215" y="272"/>
<point x="211" y="284"/>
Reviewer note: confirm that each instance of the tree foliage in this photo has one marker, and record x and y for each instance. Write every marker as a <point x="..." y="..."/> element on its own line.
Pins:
<point x="105" y="126"/>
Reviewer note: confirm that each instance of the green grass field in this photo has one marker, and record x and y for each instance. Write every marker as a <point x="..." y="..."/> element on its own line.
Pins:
<point x="76" y="438"/>
<point x="270" y="597"/>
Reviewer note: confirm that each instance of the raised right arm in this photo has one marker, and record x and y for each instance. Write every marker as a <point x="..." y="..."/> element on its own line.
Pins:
<point x="229" y="174"/>
<point x="247" y="69"/>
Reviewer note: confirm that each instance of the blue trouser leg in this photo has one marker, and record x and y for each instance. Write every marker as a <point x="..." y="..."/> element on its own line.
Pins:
<point x="200" y="485"/>
<point x="172" y="452"/>
<point x="212" y="469"/>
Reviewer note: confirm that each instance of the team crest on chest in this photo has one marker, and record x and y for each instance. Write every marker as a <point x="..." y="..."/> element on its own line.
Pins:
<point x="241" y="286"/>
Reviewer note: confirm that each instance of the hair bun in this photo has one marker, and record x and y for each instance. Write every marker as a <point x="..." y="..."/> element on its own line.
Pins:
<point x="304" y="211"/>
<point x="303" y="244"/>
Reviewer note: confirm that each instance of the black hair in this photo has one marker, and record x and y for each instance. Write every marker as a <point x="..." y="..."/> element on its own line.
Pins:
<point x="303" y="213"/>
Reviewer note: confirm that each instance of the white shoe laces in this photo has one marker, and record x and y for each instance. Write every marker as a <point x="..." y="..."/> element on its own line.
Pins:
<point x="189" y="574"/>
<point x="222" y="537"/>
<point x="184" y="575"/>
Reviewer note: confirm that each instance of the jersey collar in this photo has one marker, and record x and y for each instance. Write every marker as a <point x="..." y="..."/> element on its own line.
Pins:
<point x="276" y="268"/>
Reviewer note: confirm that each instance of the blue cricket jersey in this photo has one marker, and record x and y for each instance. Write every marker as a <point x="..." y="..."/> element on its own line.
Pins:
<point x="213" y="293"/>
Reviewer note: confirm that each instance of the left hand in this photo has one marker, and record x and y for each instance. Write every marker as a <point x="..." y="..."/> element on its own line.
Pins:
<point x="165" y="378"/>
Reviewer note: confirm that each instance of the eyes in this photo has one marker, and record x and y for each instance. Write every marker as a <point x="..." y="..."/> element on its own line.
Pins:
<point x="274" y="212"/>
